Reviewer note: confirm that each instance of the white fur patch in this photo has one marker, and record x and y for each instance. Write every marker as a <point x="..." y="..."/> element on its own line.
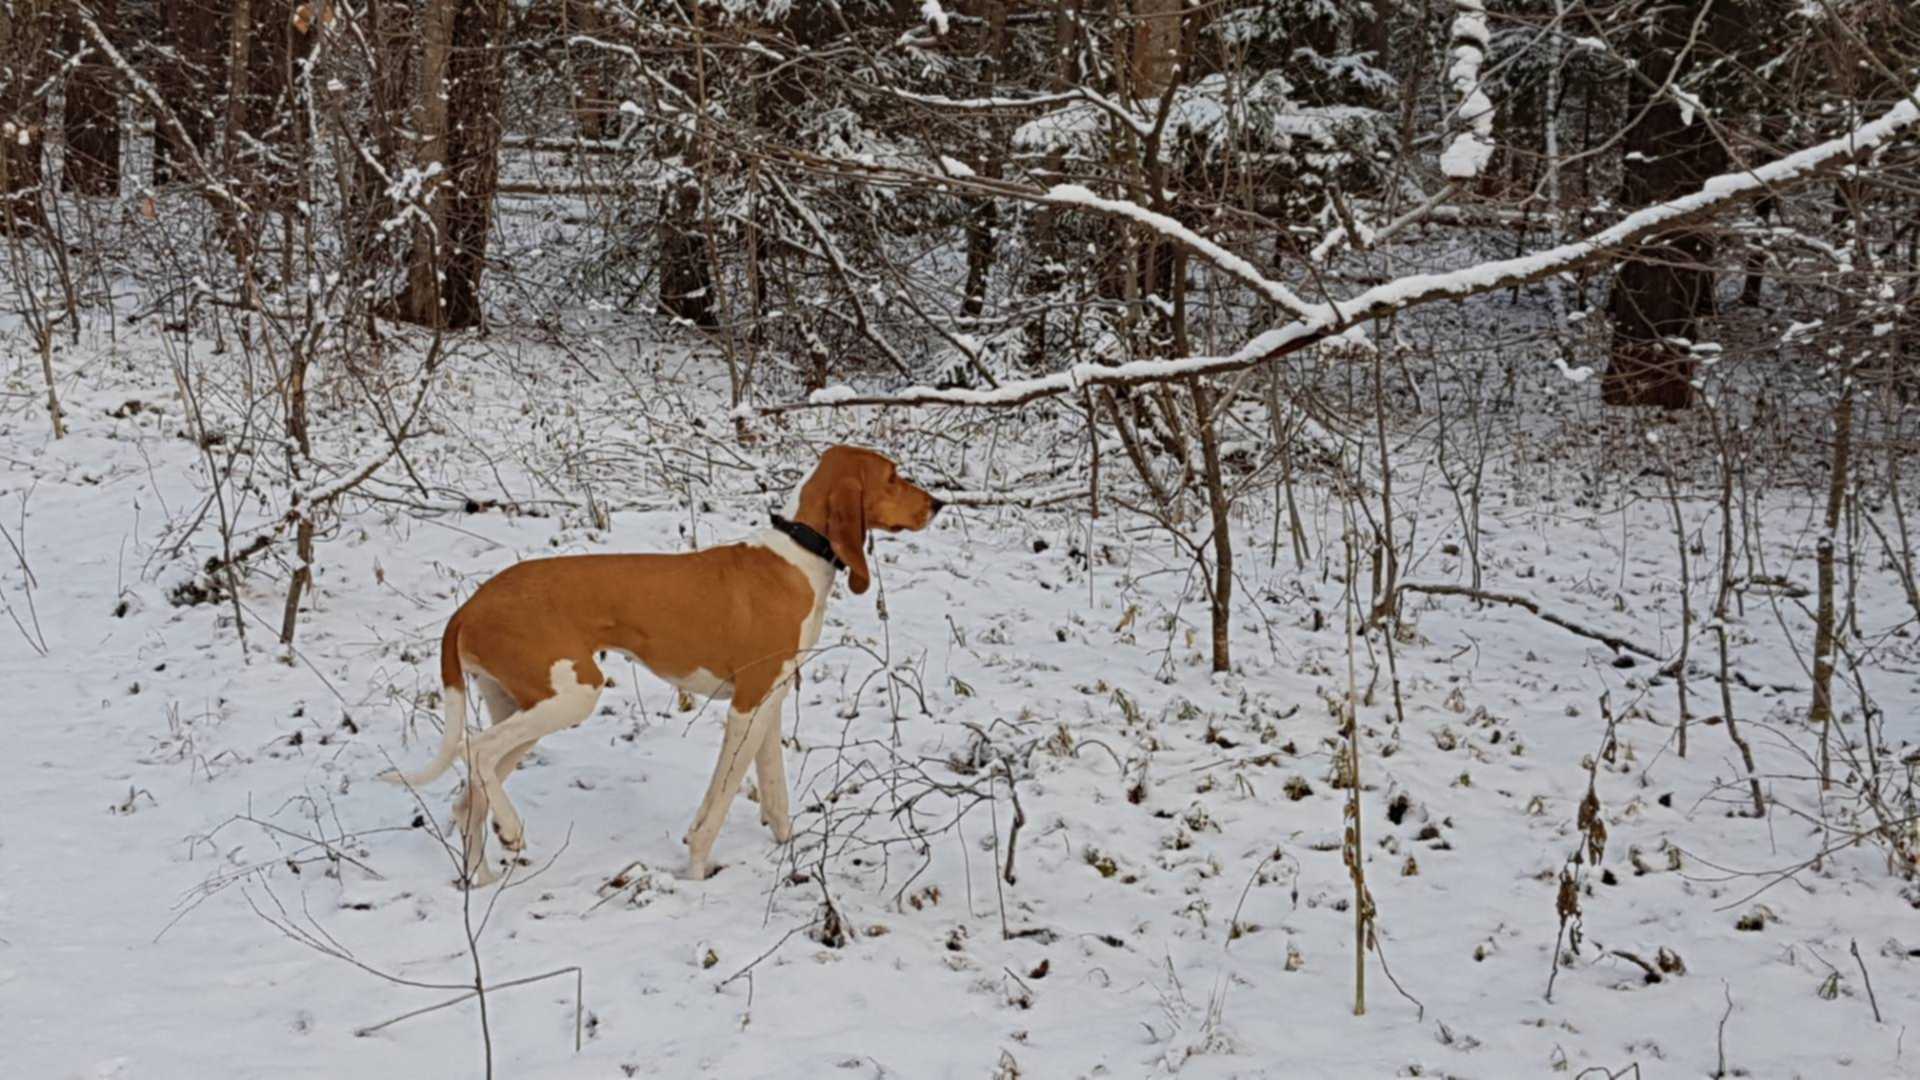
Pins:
<point x="702" y="683"/>
<point x="699" y="682"/>
<point x="567" y="687"/>
<point x="818" y="572"/>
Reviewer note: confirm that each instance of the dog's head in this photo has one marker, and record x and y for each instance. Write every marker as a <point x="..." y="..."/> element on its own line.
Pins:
<point x="864" y="490"/>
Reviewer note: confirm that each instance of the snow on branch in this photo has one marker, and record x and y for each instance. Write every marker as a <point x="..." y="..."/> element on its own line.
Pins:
<point x="935" y="15"/>
<point x="1142" y="126"/>
<point x="1467" y="155"/>
<point x="1226" y="261"/>
<point x="1074" y="196"/>
<point x="1323" y="322"/>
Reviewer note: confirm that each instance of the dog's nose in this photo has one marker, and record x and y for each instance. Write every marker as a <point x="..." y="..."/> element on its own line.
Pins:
<point x="938" y="504"/>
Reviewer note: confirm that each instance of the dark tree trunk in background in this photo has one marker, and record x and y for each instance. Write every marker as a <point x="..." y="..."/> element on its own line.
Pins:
<point x="24" y="33"/>
<point x="983" y="218"/>
<point x="1663" y="290"/>
<point x="1375" y="34"/>
<point x="459" y="127"/>
<point x="686" y="274"/>
<point x="588" y="68"/>
<point x="473" y="151"/>
<point x="266" y="102"/>
<point x="390" y="33"/>
<point x="92" y="121"/>
<point x="1156" y="46"/>
<point x="189" y="79"/>
<point x="1044" y="233"/>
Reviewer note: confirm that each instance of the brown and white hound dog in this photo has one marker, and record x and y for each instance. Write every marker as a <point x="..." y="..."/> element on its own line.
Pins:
<point x="733" y="622"/>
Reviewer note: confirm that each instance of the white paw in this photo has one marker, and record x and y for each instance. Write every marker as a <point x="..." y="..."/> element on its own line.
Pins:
<point x="512" y="834"/>
<point x="781" y="824"/>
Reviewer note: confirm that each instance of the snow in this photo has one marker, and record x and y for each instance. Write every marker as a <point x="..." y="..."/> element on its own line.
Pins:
<point x="1574" y="375"/>
<point x="935" y="15"/>
<point x="1468" y="152"/>
<point x="1210" y="110"/>
<point x="831" y="395"/>
<point x="1175" y="929"/>
<point x="1689" y="105"/>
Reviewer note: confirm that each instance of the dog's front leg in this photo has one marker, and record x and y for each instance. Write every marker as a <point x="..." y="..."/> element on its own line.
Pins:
<point x="746" y="731"/>
<point x="770" y="768"/>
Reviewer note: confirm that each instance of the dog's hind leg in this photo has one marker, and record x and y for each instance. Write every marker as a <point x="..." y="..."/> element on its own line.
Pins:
<point x="575" y="690"/>
<point x="471" y="806"/>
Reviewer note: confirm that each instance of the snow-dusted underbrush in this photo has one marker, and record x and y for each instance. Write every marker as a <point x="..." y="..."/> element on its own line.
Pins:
<point x="1035" y="835"/>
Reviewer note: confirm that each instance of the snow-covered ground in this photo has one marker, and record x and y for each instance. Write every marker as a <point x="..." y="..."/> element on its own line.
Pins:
<point x="168" y="803"/>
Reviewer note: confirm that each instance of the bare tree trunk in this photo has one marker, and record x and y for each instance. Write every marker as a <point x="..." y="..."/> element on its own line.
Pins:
<point x="477" y="91"/>
<point x="590" y="112"/>
<point x="983" y="219"/>
<point x="1043" y="234"/>
<point x="1686" y="603"/>
<point x="92" y="120"/>
<point x="1756" y="258"/>
<point x="1663" y="290"/>
<point x="1220" y="595"/>
<point x="459" y="130"/>
<point x="1156" y="46"/>
<point x="1825" y="631"/>
<point x="24" y="31"/>
<point x="1722" y="613"/>
<point x="191" y="30"/>
<point x="389" y="30"/>
<point x="686" y="276"/>
<point x="239" y="78"/>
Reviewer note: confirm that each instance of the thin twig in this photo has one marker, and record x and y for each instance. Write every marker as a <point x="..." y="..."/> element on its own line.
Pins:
<point x="1854" y="947"/>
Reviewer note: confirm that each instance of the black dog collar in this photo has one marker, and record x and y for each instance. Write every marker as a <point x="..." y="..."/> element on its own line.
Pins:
<point x="809" y="539"/>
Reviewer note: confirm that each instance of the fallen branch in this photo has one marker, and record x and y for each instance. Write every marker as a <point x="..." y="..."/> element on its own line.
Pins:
<point x="1029" y="500"/>
<point x="579" y="989"/>
<point x="1612" y="641"/>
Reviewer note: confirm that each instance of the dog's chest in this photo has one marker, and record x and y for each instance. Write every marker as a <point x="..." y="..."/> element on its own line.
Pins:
<point x="819" y="575"/>
<point x="810" y="630"/>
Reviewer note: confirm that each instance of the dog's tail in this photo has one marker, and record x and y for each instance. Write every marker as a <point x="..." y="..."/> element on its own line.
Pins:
<point x="453" y="694"/>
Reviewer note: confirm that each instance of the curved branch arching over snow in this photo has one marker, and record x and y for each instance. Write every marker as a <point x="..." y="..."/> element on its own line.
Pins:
<point x="1466" y="156"/>
<point x="1323" y="322"/>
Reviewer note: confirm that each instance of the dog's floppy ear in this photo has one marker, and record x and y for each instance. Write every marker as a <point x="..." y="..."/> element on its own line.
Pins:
<point x="847" y="530"/>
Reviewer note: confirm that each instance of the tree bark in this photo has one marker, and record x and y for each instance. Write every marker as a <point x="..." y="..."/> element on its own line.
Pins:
<point x="1156" y="46"/>
<point x="588" y="69"/>
<point x="1220" y="594"/>
<point x="191" y="29"/>
<point x="92" y="119"/>
<point x="983" y="219"/>
<point x="390" y="30"/>
<point x="1665" y="287"/>
<point x="686" y="275"/>
<point x="1826" y="627"/>
<point x="23" y="113"/>
<point x="459" y="130"/>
